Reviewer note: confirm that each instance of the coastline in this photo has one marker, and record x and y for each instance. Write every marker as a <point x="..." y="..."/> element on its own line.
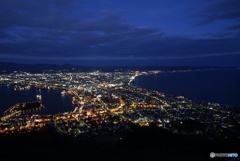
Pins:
<point x="51" y="99"/>
<point x="185" y="71"/>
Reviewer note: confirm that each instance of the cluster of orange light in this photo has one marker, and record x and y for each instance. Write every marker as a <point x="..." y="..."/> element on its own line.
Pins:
<point x="146" y="106"/>
<point x="144" y="124"/>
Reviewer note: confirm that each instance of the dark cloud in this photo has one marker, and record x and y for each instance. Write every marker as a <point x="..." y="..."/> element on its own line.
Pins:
<point x="4" y="35"/>
<point x="219" y="10"/>
<point x="107" y="21"/>
<point x="68" y="30"/>
<point x="223" y="34"/>
<point x="234" y="27"/>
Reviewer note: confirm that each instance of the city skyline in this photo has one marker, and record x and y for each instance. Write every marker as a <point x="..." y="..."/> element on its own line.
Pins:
<point x="102" y="32"/>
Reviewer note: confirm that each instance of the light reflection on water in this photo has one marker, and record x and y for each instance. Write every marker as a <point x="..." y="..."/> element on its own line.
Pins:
<point x="51" y="99"/>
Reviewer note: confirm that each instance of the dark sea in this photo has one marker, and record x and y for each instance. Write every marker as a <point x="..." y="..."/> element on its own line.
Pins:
<point x="53" y="101"/>
<point x="216" y="86"/>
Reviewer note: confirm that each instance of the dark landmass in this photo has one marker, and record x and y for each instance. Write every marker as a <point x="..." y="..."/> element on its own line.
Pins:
<point x="6" y="67"/>
<point x="144" y="143"/>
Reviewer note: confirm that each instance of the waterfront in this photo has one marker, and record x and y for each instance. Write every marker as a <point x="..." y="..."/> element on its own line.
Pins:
<point x="51" y="99"/>
<point x="108" y="104"/>
<point x="219" y="86"/>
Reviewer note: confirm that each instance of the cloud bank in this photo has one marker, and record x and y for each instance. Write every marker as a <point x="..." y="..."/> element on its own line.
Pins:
<point x="59" y="29"/>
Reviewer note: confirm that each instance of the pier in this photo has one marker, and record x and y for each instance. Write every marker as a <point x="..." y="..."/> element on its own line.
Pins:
<point x="21" y="108"/>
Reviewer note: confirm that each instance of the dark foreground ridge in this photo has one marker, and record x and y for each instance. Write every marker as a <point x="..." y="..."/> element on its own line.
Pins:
<point x="143" y="143"/>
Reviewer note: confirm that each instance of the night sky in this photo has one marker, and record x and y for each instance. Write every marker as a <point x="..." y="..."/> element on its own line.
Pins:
<point x="120" y="32"/>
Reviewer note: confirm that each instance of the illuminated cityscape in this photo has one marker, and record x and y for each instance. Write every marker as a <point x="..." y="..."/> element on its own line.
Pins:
<point x="94" y="80"/>
<point x="108" y="102"/>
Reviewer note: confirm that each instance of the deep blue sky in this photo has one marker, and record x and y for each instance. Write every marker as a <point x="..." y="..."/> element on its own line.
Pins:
<point x="118" y="32"/>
